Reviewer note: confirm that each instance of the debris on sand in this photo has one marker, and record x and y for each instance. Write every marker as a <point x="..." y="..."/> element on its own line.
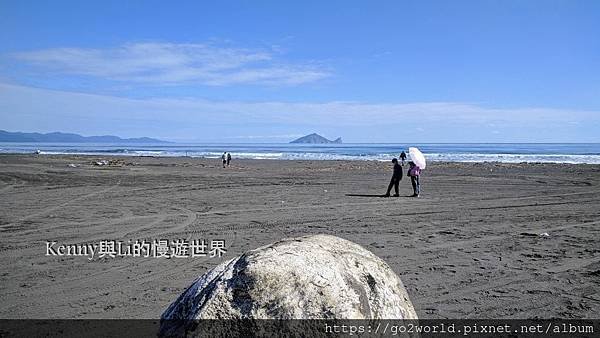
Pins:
<point x="101" y="162"/>
<point x="114" y="163"/>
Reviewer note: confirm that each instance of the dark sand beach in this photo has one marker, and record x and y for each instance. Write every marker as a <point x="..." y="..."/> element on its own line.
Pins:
<point x="469" y="247"/>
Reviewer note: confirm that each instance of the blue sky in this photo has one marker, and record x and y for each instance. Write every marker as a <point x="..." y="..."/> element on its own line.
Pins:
<point x="269" y="71"/>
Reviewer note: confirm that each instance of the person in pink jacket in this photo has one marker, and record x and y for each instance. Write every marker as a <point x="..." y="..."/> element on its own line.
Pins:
<point x="413" y="172"/>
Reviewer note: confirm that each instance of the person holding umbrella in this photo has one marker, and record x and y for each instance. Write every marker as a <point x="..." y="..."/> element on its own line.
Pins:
<point x="416" y="164"/>
<point x="413" y="172"/>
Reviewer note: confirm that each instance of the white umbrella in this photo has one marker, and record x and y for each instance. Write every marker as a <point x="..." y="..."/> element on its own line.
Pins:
<point x="417" y="156"/>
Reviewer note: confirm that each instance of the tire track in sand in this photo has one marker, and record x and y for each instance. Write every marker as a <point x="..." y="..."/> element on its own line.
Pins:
<point x="56" y="207"/>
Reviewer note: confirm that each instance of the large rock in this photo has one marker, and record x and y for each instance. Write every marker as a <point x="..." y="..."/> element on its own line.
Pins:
<point x="312" y="277"/>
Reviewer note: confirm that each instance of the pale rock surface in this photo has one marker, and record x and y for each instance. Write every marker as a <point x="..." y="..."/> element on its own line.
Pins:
<point x="311" y="277"/>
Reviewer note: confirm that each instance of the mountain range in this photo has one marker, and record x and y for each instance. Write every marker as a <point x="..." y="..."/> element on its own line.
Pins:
<point x="6" y="136"/>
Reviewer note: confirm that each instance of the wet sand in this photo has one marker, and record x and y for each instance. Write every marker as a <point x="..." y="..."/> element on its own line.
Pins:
<point x="469" y="247"/>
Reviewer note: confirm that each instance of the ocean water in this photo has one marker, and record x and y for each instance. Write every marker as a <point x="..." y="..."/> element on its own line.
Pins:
<point x="452" y="152"/>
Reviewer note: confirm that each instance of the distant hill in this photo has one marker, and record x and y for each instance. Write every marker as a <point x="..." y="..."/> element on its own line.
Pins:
<point x="6" y="136"/>
<point x="315" y="139"/>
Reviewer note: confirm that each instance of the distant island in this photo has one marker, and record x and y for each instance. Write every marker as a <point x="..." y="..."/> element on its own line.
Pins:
<point x="6" y="136"/>
<point x="315" y="138"/>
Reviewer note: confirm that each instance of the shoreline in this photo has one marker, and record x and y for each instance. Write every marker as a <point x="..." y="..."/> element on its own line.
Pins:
<point x="470" y="247"/>
<point x="218" y="159"/>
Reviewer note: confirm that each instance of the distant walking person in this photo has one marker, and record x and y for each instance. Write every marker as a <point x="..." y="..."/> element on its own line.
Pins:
<point x="224" y="158"/>
<point x="395" y="181"/>
<point x="403" y="157"/>
<point x="414" y="171"/>
<point x="228" y="158"/>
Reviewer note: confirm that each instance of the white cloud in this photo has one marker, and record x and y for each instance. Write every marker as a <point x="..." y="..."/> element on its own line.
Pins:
<point x="26" y="108"/>
<point x="170" y="63"/>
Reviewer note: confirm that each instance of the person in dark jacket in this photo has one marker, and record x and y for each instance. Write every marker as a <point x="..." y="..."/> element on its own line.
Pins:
<point x="395" y="181"/>
<point x="402" y="157"/>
